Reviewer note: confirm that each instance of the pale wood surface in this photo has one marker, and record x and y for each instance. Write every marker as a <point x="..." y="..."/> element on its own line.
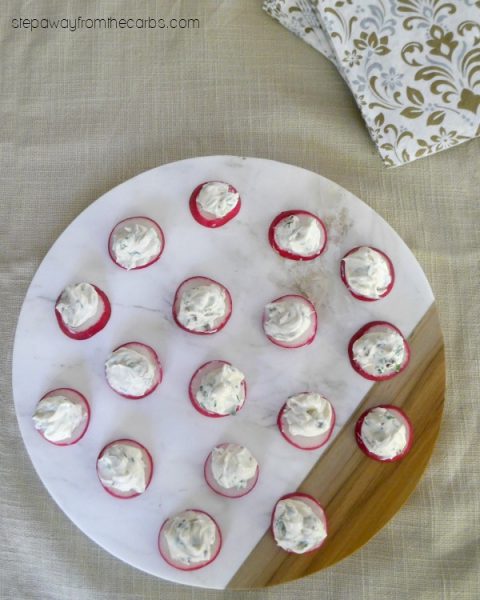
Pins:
<point x="359" y="494"/>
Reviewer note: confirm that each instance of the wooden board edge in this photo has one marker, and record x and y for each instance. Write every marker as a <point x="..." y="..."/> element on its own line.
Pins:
<point x="352" y="487"/>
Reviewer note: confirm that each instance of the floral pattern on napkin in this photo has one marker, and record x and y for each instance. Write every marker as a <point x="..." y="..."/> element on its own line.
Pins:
<point x="412" y="65"/>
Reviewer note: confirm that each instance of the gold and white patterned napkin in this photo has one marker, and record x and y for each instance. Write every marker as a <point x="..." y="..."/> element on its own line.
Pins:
<point x="413" y="66"/>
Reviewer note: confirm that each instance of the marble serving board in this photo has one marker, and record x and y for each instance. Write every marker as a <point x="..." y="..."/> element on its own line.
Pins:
<point x="179" y="438"/>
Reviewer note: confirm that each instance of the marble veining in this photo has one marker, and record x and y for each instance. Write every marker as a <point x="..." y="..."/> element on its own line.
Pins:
<point x="239" y="256"/>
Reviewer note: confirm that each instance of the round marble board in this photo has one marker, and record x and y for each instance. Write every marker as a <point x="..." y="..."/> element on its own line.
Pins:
<point x="358" y="494"/>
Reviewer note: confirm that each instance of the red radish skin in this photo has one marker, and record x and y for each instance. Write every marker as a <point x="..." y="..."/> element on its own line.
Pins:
<point x="198" y="279"/>
<point x="402" y="416"/>
<point x="93" y="329"/>
<point x="358" y="296"/>
<point x="74" y="395"/>
<point x="163" y="547"/>
<point x="311" y="335"/>
<point x="149" y="460"/>
<point x="150" y="353"/>
<point x="317" y="508"/>
<point x="303" y="442"/>
<point x="226" y="492"/>
<point x="291" y="255"/>
<point x="195" y="382"/>
<point x="139" y="220"/>
<point x="212" y="223"/>
<point x="360" y="333"/>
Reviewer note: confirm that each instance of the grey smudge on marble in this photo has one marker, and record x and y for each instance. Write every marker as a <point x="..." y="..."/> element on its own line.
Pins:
<point x="338" y="225"/>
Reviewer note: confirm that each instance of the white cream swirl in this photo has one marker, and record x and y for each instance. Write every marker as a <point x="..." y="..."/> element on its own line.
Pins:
<point x="287" y="320"/>
<point x="190" y="537"/>
<point x="299" y="235"/>
<point x="379" y="353"/>
<point x="202" y="307"/>
<point x="78" y="304"/>
<point x="308" y="414"/>
<point x="367" y="273"/>
<point x="383" y="433"/>
<point x="57" y="417"/>
<point x="135" y="244"/>
<point x="215" y="198"/>
<point x="123" y="468"/>
<point x="130" y="372"/>
<point x="221" y="390"/>
<point x="296" y="527"/>
<point x="233" y="466"/>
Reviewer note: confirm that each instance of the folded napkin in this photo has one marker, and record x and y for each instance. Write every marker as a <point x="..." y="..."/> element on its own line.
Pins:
<point x="413" y="66"/>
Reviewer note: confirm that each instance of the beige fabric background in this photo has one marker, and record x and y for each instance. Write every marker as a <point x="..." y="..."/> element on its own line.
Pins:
<point x="82" y="112"/>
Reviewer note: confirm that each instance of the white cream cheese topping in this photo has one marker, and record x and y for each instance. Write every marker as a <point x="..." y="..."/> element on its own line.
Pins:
<point x="287" y="320"/>
<point x="383" y="433"/>
<point x="130" y="372"/>
<point x="300" y="235"/>
<point x="308" y="414"/>
<point x="296" y="527"/>
<point x="57" y="417"/>
<point x="202" y="307"/>
<point x="233" y="466"/>
<point x="123" y="468"/>
<point x="221" y="391"/>
<point x="78" y="304"/>
<point x="379" y="353"/>
<point x="190" y="537"/>
<point x="367" y="273"/>
<point x="216" y="199"/>
<point x="135" y="244"/>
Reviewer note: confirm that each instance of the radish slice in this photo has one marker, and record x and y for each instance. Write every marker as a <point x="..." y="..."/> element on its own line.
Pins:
<point x="219" y="322"/>
<point x="372" y="327"/>
<point x="314" y="505"/>
<point x="233" y="492"/>
<point x="165" y="551"/>
<point x="150" y="256"/>
<point x="301" y="441"/>
<point x="93" y="325"/>
<point x="209" y="219"/>
<point x="305" y="218"/>
<point x="196" y="382"/>
<point x="401" y="416"/>
<point x="150" y="354"/>
<point x="147" y="459"/>
<point x="305" y="337"/>
<point x="389" y="263"/>
<point x="79" y="431"/>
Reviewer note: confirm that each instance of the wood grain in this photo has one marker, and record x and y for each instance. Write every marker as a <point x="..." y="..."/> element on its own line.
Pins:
<point x="359" y="494"/>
